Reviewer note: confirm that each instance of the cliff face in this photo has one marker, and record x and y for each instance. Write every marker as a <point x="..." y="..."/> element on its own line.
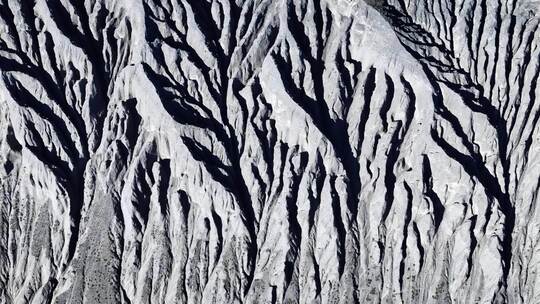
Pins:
<point x="265" y="151"/>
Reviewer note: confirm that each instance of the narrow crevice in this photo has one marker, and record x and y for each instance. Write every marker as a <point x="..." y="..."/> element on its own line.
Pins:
<point x="427" y="177"/>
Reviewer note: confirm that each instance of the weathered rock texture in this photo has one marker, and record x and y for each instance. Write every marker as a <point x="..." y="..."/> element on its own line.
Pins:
<point x="269" y="151"/>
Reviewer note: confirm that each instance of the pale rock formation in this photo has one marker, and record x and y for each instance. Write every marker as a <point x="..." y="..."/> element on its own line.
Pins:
<point x="269" y="151"/>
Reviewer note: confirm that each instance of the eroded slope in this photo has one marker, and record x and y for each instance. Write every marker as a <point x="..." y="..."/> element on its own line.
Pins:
<point x="310" y="151"/>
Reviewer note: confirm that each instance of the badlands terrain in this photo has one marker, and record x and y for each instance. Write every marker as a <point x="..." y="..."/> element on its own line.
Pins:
<point x="269" y="151"/>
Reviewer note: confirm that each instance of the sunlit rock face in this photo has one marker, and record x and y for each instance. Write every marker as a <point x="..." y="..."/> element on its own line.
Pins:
<point x="269" y="151"/>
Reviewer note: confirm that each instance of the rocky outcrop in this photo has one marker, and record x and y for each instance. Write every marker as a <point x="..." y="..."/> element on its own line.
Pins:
<point x="263" y="151"/>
